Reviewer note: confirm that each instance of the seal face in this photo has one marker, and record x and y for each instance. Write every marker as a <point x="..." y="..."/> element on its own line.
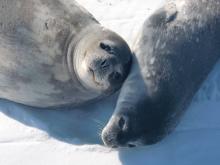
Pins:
<point x="103" y="63"/>
<point x="178" y="47"/>
<point x="54" y="53"/>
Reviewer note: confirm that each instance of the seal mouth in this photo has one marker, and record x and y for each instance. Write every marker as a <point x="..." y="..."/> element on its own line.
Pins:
<point x="93" y="76"/>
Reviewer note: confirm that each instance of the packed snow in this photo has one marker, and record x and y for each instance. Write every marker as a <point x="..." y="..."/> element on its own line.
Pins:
<point x="30" y="136"/>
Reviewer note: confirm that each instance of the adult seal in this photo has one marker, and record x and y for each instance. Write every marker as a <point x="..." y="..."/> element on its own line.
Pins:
<point x="177" y="48"/>
<point x="54" y="53"/>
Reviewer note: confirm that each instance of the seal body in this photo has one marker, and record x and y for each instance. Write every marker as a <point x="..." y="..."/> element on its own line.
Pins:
<point x="39" y="42"/>
<point x="177" y="48"/>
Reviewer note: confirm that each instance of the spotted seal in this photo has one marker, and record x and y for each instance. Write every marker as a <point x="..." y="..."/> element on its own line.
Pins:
<point x="177" y="48"/>
<point x="55" y="53"/>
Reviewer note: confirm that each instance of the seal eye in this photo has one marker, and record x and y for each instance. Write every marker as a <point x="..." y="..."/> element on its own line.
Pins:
<point x="106" y="47"/>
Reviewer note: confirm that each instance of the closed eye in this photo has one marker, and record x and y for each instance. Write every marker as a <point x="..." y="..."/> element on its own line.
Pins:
<point x="106" y="47"/>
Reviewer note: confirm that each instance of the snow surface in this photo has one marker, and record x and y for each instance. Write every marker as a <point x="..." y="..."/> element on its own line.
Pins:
<point x="30" y="136"/>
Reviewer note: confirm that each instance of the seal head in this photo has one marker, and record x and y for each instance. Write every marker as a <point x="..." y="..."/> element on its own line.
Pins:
<point x="137" y="118"/>
<point x="100" y="59"/>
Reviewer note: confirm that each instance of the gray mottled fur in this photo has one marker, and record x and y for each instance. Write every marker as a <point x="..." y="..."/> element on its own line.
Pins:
<point x="34" y="36"/>
<point x="176" y="50"/>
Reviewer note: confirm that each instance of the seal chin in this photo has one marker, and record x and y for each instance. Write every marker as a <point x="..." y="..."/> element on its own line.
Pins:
<point x="102" y="61"/>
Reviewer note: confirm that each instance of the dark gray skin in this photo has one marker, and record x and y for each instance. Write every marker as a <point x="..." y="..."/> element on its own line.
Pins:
<point x="54" y="53"/>
<point x="178" y="47"/>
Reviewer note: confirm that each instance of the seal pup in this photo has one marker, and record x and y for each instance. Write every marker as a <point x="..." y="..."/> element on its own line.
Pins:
<point x="55" y="53"/>
<point x="176" y="50"/>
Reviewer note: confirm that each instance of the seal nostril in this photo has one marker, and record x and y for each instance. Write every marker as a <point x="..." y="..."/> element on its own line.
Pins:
<point x="104" y="64"/>
<point x="121" y="123"/>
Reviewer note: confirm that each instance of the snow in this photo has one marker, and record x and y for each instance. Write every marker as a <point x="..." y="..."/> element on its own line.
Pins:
<point x="30" y="136"/>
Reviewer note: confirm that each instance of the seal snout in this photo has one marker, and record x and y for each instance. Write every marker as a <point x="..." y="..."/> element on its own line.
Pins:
<point x="101" y="65"/>
<point x="116" y="133"/>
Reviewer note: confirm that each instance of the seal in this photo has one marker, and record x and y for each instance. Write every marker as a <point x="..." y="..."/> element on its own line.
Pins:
<point x="55" y="53"/>
<point x="175" y="51"/>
